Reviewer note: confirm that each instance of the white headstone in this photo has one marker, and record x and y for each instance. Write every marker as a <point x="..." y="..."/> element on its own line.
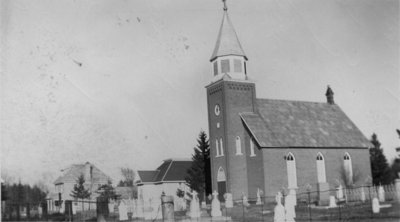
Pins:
<point x="332" y="201"/>
<point x="245" y="200"/>
<point x="339" y="192"/>
<point x="259" y="202"/>
<point x="381" y="194"/>
<point x="123" y="211"/>
<point x="194" y="206"/>
<point x="215" y="206"/>
<point x="375" y="205"/>
<point x="110" y="207"/>
<point x="292" y="193"/>
<point x="228" y="200"/>
<point x="74" y="206"/>
<point x="290" y="213"/>
<point x="279" y="210"/>
<point x="40" y="211"/>
<point x="362" y="195"/>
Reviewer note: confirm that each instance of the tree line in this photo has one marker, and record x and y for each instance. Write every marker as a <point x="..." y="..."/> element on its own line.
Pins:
<point x="22" y="193"/>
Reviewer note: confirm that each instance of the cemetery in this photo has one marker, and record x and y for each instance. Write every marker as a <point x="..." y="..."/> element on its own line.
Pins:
<point x="269" y="160"/>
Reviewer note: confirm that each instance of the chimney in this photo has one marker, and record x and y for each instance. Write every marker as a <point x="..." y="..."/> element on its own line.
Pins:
<point x="329" y="96"/>
<point x="88" y="172"/>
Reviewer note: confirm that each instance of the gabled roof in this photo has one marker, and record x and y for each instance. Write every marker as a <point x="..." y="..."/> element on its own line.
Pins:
<point x="72" y="173"/>
<point x="281" y="123"/>
<point x="171" y="170"/>
<point x="227" y="41"/>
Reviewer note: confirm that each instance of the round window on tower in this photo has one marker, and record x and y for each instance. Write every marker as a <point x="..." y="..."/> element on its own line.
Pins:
<point x="217" y="110"/>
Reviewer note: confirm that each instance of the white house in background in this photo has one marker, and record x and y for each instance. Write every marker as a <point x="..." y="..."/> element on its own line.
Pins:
<point x="167" y="178"/>
<point x="64" y="185"/>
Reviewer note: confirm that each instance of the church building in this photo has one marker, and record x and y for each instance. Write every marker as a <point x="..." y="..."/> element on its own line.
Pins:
<point x="267" y="144"/>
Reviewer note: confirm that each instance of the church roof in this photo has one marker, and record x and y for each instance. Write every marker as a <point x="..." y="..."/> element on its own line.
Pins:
<point x="281" y="123"/>
<point x="227" y="41"/>
<point x="171" y="170"/>
<point x="72" y="173"/>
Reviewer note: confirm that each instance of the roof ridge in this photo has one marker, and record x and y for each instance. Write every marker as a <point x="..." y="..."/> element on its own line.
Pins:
<point x="296" y="101"/>
<point x="162" y="179"/>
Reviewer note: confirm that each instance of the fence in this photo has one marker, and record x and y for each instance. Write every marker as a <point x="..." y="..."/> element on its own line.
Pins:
<point x="352" y="204"/>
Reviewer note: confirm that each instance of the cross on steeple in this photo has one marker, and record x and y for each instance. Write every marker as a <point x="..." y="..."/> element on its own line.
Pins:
<point x="225" y="7"/>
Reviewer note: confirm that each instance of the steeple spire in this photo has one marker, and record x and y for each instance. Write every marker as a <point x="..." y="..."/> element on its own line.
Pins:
<point x="227" y="41"/>
<point x="228" y="58"/>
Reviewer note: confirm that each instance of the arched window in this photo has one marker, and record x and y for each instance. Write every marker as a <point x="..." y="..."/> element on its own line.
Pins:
<point x="291" y="170"/>
<point x="217" y="147"/>
<point x="238" y="146"/>
<point x="348" y="168"/>
<point x="221" y="175"/>
<point x="252" y="147"/>
<point x="321" y="173"/>
<point x="221" y="146"/>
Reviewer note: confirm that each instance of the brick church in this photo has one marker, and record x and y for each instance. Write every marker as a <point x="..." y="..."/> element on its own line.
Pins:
<point x="268" y="144"/>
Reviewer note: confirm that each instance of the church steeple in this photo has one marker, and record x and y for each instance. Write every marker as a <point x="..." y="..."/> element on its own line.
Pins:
<point x="228" y="57"/>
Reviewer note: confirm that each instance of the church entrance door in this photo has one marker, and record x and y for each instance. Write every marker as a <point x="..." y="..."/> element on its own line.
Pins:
<point x="221" y="183"/>
<point x="221" y="190"/>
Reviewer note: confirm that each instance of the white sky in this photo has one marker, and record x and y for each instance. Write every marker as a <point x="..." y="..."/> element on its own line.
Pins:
<point x="139" y="97"/>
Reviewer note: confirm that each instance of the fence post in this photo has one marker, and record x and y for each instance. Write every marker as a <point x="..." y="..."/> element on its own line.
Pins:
<point x="340" y="212"/>
<point x="262" y="208"/>
<point x="370" y="199"/>
<point x="309" y="203"/>
<point x="244" y="219"/>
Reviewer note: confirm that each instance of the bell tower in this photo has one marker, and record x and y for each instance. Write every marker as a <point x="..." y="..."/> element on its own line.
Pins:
<point x="229" y="94"/>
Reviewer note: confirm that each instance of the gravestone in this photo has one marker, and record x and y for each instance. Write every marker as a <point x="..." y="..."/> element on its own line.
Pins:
<point x="194" y="206"/>
<point x="375" y="205"/>
<point x="381" y="194"/>
<point x="362" y="195"/>
<point x="339" y="193"/>
<point x="323" y="193"/>
<point x="245" y="201"/>
<point x="228" y="200"/>
<point x="123" y="211"/>
<point x="259" y="202"/>
<point x="215" y="206"/>
<point x="279" y="210"/>
<point x="290" y="201"/>
<point x="332" y="202"/>
<point x="110" y="207"/>
<point x="397" y="186"/>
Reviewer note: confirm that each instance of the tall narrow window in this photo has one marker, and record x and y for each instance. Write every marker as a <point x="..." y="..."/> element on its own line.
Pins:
<point x="225" y="66"/>
<point x="238" y="146"/>
<point x="215" y="68"/>
<point x="221" y="147"/>
<point x="321" y="168"/>
<point x="348" y="169"/>
<point x="217" y="147"/>
<point x="237" y="65"/>
<point x="291" y="171"/>
<point x="252" y="147"/>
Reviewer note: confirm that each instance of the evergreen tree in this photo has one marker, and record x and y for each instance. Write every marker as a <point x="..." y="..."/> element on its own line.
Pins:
<point x="199" y="174"/>
<point x="381" y="173"/>
<point x="396" y="163"/>
<point x="79" y="191"/>
<point x="107" y="191"/>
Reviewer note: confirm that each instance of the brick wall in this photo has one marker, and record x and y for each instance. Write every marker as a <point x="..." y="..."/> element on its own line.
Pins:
<point x="275" y="174"/>
<point x="255" y="170"/>
<point x="233" y="98"/>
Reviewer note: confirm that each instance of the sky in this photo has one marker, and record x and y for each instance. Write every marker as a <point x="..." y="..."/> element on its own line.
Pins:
<point x="121" y="83"/>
